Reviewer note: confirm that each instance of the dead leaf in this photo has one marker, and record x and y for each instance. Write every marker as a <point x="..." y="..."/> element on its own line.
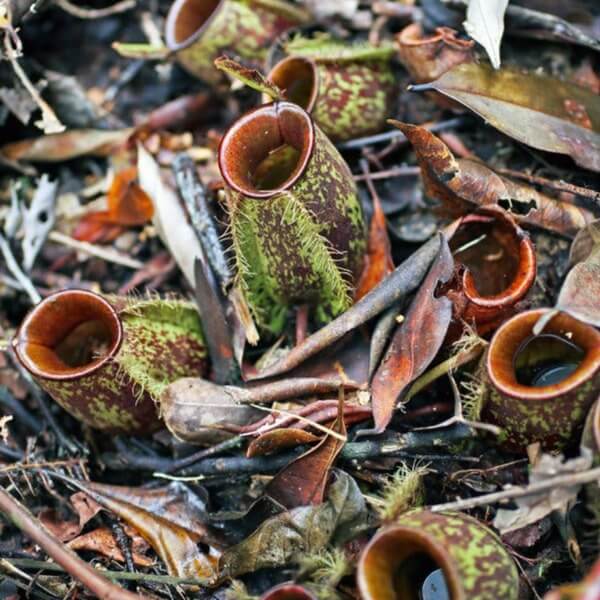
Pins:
<point x="102" y="541"/>
<point x="171" y="519"/>
<point x="169" y="216"/>
<point x="378" y="260"/>
<point x="416" y="341"/>
<point x="128" y="204"/>
<point x="68" y="145"/>
<point x="485" y="24"/>
<point x="534" y="507"/>
<point x="581" y="288"/>
<point x="540" y="111"/>
<point x="463" y="184"/>
<point x="279" y="539"/>
<point x="251" y="77"/>
<point x="63" y="529"/>
<point x="278" y="439"/>
<point x="303" y="481"/>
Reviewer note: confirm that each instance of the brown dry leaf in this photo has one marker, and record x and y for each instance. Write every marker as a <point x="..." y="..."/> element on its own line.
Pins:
<point x="464" y="184"/>
<point x="102" y="541"/>
<point x="68" y="145"/>
<point x="64" y="530"/>
<point x="128" y="204"/>
<point x="378" y="260"/>
<point x="170" y="519"/>
<point x="416" y="341"/>
<point x="540" y="111"/>
<point x="302" y="482"/>
<point x="277" y="439"/>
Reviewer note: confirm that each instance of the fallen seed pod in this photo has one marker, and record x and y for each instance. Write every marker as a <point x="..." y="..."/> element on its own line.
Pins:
<point x="202" y="412"/>
<point x="451" y="552"/>
<point x="348" y="89"/>
<point x="196" y="31"/>
<point x="297" y="227"/>
<point x="541" y="387"/>
<point x="106" y="360"/>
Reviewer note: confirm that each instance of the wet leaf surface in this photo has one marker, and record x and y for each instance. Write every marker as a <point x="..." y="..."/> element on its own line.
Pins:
<point x="538" y="110"/>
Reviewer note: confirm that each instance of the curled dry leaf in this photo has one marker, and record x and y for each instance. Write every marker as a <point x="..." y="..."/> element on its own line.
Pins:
<point x="463" y="184"/>
<point x="378" y="260"/>
<point x="581" y="289"/>
<point x="171" y="519"/>
<point x="306" y="529"/>
<point x="540" y="111"/>
<point x="536" y="506"/>
<point x="67" y="145"/>
<point x="303" y="481"/>
<point x="416" y="341"/>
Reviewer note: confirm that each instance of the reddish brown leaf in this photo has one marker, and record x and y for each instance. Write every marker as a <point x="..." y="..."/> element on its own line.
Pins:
<point x="416" y="341"/>
<point x="102" y="541"/>
<point x="303" y="481"/>
<point x="128" y="204"/>
<point x="464" y="184"/>
<point x="95" y="227"/>
<point x="378" y="261"/>
<point x="277" y="439"/>
<point x="64" y="530"/>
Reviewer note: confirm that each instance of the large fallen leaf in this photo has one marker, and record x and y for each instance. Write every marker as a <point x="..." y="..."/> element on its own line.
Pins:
<point x="536" y="506"/>
<point x="485" y="24"/>
<point x="303" y="481"/>
<point x="171" y="519"/>
<point x="169" y="216"/>
<point x="67" y="145"/>
<point x="416" y="341"/>
<point x="307" y="529"/>
<point x="540" y="111"/>
<point x="463" y="184"/>
<point x="378" y="260"/>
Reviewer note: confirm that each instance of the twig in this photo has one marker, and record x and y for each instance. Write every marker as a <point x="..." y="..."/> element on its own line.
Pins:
<point x="95" y="13"/>
<point x="23" y="416"/>
<point x="521" y="491"/>
<point x="406" y="171"/>
<point x="50" y="122"/>
<point x="16" y="271"/>
<point x="30" y="563"/>
<point x="106" y="254"/>
<point x="562" y="186"/>
<point x="78" y="569"/>
<point x="396" y="134"/>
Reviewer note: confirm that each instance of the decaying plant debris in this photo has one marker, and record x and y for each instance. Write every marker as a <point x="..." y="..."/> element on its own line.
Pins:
<point x="300" y="299"/>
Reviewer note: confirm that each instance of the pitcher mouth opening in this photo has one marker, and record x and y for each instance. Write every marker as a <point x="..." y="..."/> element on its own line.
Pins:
<point x="68" y="335"/>
<point x="187" y="20"/>
<point x="266" y="151"/>
<point x="390" y="564"/>
<point x="514" y="335"/>
<point x="298" y="78"/>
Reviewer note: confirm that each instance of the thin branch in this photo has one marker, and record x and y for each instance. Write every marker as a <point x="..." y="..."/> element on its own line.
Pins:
<point x="95" y="13"/>
<point x="521" y="491"/>
<point x="78" y="569"/>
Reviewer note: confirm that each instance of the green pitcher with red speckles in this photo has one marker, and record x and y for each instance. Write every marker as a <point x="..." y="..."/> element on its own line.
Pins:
<point x="197" y="31"/>
<point x="105" y="360"/>
<point x="436" y="555"/>
<point x="296" y="223"/>
<point x="347" y="88"/>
